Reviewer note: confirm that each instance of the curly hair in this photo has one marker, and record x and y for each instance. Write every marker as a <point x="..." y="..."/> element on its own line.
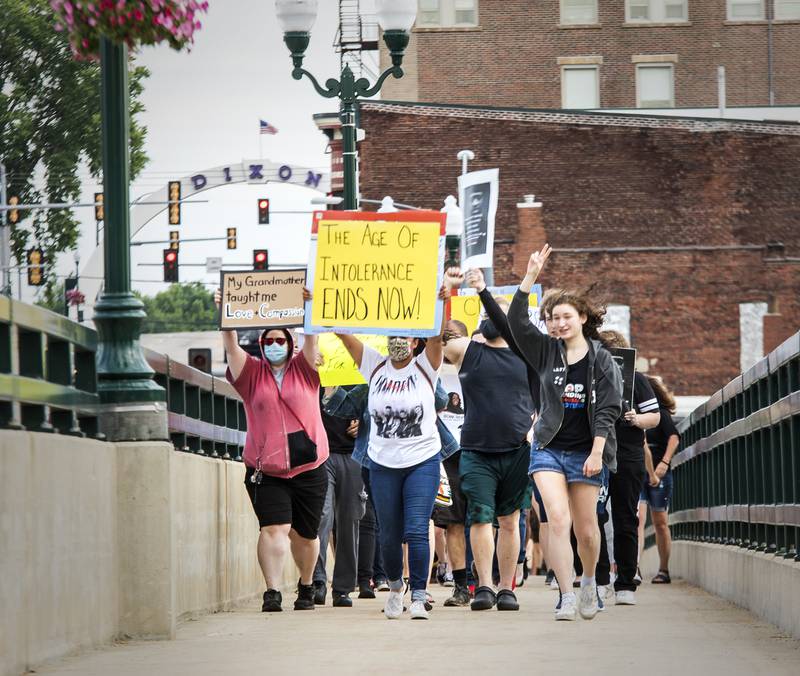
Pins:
<point x="666" y="399"/>
<point x="584" y="305"/>
<point x="611" y="338"/>
<point x="546" y="307"/>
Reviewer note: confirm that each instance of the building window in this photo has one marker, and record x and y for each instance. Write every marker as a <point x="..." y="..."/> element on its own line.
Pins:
<point x="580" y="87"/>
<point x="656" y="11"/>
<point x="745" y="10"/>
<point x="787" y="9"/>
<point x="578" y="12"/>
<point x="447" y="13"/>
<point x="655" y="86"/>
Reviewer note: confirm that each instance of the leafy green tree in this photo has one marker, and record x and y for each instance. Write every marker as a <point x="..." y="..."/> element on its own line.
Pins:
<point x="182" y="307"/>
<point x="52" y="298"/>
<point x="50" y="123"/>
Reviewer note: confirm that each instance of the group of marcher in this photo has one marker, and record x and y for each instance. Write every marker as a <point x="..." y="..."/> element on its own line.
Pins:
<point x="545" y="430"/>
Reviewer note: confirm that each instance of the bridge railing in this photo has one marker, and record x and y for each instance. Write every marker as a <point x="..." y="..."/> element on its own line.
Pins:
<point x="48" y="383"/>
<point x="737" y="472"/>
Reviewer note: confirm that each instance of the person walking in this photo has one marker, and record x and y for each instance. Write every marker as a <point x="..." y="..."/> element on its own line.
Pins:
<point x="403" y="451"/>
<point x="285" y="451"/>
<point x="662" y="443"/>
<point x="625" y="485"/>
<point x="581" y="393"/>
<point x="494" y="448"/>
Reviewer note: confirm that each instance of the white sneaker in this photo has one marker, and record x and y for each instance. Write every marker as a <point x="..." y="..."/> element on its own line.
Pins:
<point x="554" y="584"/>
<point x="587" y="605"/>
<point x="394" y="605"/>
<point x="565" y="610"/>
<point x="626" y="598"/>
<point x="418" y="611"/>
<point x="606" y="594"/>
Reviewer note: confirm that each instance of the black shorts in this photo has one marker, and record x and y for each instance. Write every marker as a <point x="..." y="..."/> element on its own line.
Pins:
<point x="457" y="512"/>
<point x="297" y="501"/>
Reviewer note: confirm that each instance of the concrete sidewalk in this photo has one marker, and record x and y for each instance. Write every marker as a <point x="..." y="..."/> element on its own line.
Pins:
<point x="675" y="629"/>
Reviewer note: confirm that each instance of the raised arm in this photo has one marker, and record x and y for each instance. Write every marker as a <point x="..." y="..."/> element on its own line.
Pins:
<point x="455" y="349"/>
<point x="237" y="357"/>
<point x="310" y="343"/>
<point x="353" y="345"/>
<point x="434" y="346"/>
<point x="532" y="343"/>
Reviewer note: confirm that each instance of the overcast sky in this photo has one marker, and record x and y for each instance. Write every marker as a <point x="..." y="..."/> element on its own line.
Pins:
<point x="203" y="110"/>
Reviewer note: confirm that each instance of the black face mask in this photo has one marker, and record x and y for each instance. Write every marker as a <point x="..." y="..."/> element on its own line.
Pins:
<point x="489" y="330"/>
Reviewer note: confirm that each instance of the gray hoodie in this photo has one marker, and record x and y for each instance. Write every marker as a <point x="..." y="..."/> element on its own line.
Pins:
<point x="548" y="356"/>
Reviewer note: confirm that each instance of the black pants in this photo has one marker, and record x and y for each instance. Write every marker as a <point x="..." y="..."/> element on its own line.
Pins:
<point x="602" y="572"/>
<point x="370" y="562"/>
<point x="624" y="489"/>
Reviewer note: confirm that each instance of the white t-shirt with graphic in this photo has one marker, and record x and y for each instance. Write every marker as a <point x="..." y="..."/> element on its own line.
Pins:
<point x="402" y="410"/>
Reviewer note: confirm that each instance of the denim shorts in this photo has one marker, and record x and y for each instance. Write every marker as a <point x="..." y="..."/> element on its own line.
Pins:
<point x="568" y="463"/>
<point x="658" y="496"/>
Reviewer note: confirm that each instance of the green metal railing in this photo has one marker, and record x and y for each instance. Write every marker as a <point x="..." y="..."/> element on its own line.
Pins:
<point x="48" y="383"/>
<point x="737" y="472"/>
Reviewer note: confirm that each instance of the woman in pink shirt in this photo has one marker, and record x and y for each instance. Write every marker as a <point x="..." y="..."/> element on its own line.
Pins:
<point x="285" y="450"/>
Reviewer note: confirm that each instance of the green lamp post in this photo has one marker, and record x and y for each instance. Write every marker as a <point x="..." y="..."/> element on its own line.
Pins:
<point x="125" y="379"/>
<point x="395" y="17"/>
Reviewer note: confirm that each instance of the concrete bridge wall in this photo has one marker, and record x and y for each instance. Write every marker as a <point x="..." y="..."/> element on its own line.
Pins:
<point x="100" y="541"/>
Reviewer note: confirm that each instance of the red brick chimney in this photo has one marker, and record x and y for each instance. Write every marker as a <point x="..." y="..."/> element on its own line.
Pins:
<point x="531" y="234"/>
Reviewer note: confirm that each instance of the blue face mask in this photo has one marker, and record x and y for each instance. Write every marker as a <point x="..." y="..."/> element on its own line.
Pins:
<point x="275" y="353"/>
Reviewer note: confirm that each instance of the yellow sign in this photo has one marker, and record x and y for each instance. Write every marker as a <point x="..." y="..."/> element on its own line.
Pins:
<point x="468" y="308"/>
<point x="338" y="367"/>
<point x="377" y="273"/>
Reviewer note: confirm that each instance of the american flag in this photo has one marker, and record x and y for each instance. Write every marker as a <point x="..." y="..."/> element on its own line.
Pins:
<point x="266" y="128"/>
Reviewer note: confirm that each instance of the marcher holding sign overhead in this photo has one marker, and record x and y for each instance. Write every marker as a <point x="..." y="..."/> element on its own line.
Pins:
<point x="285" y="451"/>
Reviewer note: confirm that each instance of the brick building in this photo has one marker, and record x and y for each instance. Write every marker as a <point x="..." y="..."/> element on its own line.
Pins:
<point x="583" y="54"/>
<point x="681" y="220"/>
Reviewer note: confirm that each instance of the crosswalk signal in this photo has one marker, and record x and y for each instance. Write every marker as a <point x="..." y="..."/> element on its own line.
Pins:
<point x="99" y="212"/>
<point x="231" y="238"/>
<point x="174" y="240"/>
<point x="263" y="211"/>
<point x="174" y="191"/>
<point x="35" y="266"/>
<point x="260" y="259"/>
<point x="170" y="265"/>
<point x="13" y="214"/>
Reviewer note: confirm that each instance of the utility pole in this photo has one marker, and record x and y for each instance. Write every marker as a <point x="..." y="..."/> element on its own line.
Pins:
<point x="5" y="251"/>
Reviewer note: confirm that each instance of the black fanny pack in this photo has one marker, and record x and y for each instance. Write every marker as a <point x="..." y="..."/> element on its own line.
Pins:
<point x="302" y="450"/>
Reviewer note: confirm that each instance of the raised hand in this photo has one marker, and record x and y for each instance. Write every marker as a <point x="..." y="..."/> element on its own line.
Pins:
<point x="476" y="280"/>
<point x="453" y="277"/>
<point x="306" y="294"/>
<point x="218" y="297"/>
<point x="537" y="261"/>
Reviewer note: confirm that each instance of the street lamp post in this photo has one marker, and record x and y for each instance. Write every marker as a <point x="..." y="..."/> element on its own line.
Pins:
<point x="454" y="229"/>
<point x="125" y="379"/>
<point x="395" y="17"/>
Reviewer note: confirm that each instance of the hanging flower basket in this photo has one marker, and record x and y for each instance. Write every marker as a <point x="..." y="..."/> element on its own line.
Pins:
<point x="75" y="297"/>
<point x="134" y="22"/>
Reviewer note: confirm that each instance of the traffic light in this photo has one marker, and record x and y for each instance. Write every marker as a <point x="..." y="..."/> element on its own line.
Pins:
<point x="35" y="266"/>
<point x="200" y="358"/>
<point x="260" y="259"/>
<point x="174" y="192"/>
<point x="231" y="238"/>
<point x="174" y="240"/>
<point x="99" y="212"/>
<point x="170" y="265"/>
<point x="263" y="211"/>
<point x="13" y="214"/>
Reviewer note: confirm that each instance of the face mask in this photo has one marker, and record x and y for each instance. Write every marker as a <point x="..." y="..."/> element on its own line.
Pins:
<point x="489" y="330"/>
<point x="275" y="353"/>
<point x="399" y="349"/>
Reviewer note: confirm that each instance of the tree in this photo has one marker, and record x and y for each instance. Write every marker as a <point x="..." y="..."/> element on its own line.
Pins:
<point x="182" y="307"/>
<point x="53" y="297"/>
<point x="50" y="123"/>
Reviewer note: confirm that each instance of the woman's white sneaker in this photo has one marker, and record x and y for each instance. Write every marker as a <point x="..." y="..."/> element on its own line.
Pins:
<point x="565" y="610"/>
<point x="626" y="598"/>
<point x="418" y="611"/>
<point x="394" y="605"/>
<point x="588" y="605"/>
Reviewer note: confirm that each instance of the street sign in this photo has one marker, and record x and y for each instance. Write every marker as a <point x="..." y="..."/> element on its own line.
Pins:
<point x="214" y="265"/>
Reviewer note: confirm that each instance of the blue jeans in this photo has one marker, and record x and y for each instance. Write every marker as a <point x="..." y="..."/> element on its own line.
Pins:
<point x="403" y="499"/>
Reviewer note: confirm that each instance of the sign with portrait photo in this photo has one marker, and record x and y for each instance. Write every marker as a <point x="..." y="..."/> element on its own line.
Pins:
<point x="478" y="195"/>
<point x="625" y="359"/>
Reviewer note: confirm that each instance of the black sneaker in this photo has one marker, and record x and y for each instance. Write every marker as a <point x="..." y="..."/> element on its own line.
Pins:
<point x="341" y="600"/>
<point x="460" y="597"/>
<point x="507" y="600"/>
<point x="365" y="591"/>
<point x="320" y="591"/>
<point x="305" y="597"/>
<point x="549" y="577"/>
<point x="484" y="599"/>
<point x="272" y="601"/>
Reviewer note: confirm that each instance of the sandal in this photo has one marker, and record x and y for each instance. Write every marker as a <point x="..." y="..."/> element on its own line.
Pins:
<point x="661" y="578"/>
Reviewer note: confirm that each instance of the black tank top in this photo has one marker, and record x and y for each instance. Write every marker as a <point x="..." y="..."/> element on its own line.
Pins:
<point x="497" y="399"/>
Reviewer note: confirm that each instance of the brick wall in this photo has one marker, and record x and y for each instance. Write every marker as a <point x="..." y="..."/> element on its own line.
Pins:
<point x="615" y="181"/>
<point x="510" y="59"/>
